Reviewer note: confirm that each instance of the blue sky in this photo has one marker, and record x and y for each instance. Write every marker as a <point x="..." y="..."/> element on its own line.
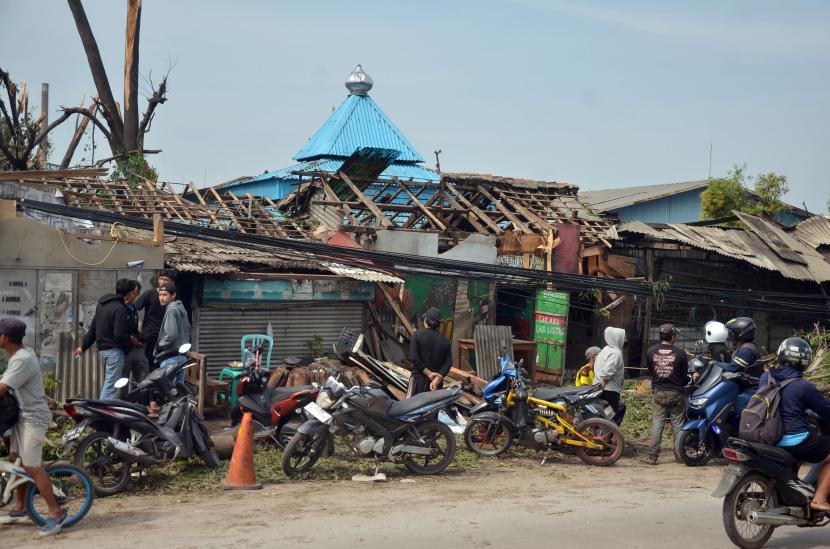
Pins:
<point x="598" y="94"/>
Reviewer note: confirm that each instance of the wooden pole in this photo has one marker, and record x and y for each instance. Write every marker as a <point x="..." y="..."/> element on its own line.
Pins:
<point x="44" y="122"/>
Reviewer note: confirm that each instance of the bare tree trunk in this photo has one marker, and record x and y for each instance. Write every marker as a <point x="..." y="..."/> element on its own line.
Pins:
<point x="131" y="35"/>
<point x="99" y="76"/>
<point x="79" y="133"/>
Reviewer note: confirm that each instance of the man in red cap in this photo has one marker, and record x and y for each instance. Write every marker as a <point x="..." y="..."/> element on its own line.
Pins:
<point x="431" y="355"/>
<point x="23" y="379"/>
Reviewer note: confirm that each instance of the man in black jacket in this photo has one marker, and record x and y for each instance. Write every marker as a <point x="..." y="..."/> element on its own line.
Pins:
<point x="109" y="330"/>
<point x="668" y="367"/>
<point x="153" y="315"/>
<point x="430" y="354"/>
<point x="135" y="361"/>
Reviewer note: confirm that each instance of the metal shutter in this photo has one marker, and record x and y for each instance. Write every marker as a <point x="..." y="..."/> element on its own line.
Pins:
<point x="221" y="327"/>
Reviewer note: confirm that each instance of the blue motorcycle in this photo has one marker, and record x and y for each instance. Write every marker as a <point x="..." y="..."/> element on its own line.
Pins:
<point x="712" y="416"/>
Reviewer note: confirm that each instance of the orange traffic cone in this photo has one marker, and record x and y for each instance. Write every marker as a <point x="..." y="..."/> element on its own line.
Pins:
<point x="241" y="473"/>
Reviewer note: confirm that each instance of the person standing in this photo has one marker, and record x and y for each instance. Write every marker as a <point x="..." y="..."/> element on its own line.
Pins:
<point x="153" y="315"/>
<point x="609" y="370"/>
<point x="110" y="332"/>
<point x="431" y="355"/>
<point x="135" y="361"/>
<point x="174" y="331"/>
<point x="24" y="379"/>
<point x="668" y="367"/>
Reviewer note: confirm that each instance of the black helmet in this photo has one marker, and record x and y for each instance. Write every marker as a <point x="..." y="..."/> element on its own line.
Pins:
<point x="795" y="352"/>
<point x="741" y="329"/>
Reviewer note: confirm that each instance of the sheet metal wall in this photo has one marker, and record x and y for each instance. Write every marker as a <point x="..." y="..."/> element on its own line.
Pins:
<point x="220" y="327"/>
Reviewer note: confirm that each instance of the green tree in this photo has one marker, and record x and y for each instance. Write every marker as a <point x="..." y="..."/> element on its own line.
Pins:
<point x="756" y="195"/>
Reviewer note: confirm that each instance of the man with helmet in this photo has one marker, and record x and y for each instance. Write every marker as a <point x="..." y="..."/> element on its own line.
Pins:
<point x="801" y="438"/>
<point x="744" y="358"/>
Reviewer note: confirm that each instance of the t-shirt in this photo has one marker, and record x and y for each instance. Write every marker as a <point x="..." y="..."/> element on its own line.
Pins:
<point x="24" y="376"/>
<point x="668" y="367"/>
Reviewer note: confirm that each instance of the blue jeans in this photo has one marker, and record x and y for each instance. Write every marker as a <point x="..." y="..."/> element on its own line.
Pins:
<point x="113" y="366"/>
<point x="174" y="361"/>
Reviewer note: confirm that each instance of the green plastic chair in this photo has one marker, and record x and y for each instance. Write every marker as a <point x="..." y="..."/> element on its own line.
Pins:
<point x="233" y="374"/>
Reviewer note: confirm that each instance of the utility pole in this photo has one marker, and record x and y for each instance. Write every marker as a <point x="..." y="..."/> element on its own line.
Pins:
<point x="44" y="122"/>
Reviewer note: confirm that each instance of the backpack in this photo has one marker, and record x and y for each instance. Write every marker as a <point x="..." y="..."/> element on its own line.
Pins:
<point x="9" y="412"/>
<point x="761" y="419"/>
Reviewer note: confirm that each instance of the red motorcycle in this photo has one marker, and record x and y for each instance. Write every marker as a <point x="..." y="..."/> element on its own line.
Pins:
<point x="277" y="412"/>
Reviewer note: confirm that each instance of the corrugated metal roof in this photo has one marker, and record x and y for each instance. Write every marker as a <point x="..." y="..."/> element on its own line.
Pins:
<point x="357" y="122"/>
<point x="361" y="274"/>
<point x="764" y="245"/>
<point x="612" y="199"/>
<point x="814" y="231"/>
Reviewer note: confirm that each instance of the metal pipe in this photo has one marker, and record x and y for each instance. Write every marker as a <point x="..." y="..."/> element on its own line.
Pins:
<point x="769" y="519"/>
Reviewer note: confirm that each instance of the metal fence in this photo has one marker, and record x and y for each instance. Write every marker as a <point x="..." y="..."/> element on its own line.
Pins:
<point x="77" y="377"/>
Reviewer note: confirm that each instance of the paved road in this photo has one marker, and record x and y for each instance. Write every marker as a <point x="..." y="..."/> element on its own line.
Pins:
<point x="561" y="504"/>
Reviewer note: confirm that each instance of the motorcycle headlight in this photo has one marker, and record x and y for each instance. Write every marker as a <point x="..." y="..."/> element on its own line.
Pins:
<point x="698" y="402"/>
<point x="325" y="400"/>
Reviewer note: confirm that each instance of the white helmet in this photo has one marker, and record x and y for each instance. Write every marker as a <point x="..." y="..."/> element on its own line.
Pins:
<point x="716" y="332"/>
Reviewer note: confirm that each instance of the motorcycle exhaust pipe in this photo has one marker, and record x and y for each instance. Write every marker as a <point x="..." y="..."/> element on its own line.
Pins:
<point x="769" y="519"/>
<point x="130" y="453"/>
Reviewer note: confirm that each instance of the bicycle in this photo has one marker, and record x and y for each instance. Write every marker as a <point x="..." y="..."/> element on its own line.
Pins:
<point x="72" y="488"/>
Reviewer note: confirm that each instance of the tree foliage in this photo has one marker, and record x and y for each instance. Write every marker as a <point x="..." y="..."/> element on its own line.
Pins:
<point x="757" y="195"/>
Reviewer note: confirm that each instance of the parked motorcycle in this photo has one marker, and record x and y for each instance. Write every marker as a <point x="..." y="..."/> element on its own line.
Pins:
<point x="761" y="492"/>
<point x="711" y="414"/>
<point x="125" y="436"/>
<point x="277" y="412"/>
<point x="373" y="425"/>
<point x="551" y="417"/>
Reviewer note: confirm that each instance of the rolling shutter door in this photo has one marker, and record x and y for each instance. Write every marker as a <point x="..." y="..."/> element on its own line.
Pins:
<point x="221" y="327"/>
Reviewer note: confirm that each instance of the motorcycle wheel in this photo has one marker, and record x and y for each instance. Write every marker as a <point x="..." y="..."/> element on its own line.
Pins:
<point x="302" y="452"/>
<point x="108" y="472"/>
<point x="210" y="457"/>
<point x="436" y="435"/>
<point x="691" y="450"/>
<point x="752" y="493"/>
<point x="487" y="436"/>
<point x="605" y="432"/>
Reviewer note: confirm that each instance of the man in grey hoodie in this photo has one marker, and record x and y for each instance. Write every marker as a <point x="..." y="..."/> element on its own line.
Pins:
<point x="174" y="332"/>
<point x="609" y="370"/>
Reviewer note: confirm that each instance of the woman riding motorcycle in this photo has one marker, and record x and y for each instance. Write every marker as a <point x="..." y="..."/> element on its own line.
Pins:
<point x="801" y="438"/>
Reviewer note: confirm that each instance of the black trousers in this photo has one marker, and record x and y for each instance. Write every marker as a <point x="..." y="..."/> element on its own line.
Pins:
<point x="420" y="384"/>
<point x="613" y="398"/>
<point x="149" y="347"/>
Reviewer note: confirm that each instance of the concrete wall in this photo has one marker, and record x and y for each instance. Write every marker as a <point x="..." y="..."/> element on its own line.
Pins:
<point x="405" y="242"/>
<point x="29" y="243"/>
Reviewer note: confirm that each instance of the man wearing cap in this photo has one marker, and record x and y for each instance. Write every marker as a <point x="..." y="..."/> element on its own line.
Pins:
<point x="430" y="354"/>
<point x="585" y="375"/>
<point x="668" y="367"/>
<point x="24" y="379"/>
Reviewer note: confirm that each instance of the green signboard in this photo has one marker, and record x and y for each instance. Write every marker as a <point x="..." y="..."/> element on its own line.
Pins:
<point x="550" y="320"/>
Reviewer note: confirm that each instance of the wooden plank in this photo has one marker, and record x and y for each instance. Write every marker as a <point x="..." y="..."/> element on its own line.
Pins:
<point x="541" y="223"/>
<point x="435" y="221"/>
<point x="507" y="213"/>
<point x="393" y="304"/>
<point x="229" y="210"/>
<point x="414" y="219"/>
<point x="475" y="209"/>
<point x="381" y="219"/>
<point x="158" y="230"/>
<point x="469" y="216"/>
<point x="201" y="200"/>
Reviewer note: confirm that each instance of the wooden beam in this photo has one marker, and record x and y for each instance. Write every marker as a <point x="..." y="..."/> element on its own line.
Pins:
<point x="475" y="209"/>
<point x="226" y="208"/>
<point x="393" y="304"/>
<point x="201" y="200"/>
<point x="414" y="219"/>
<point x="381" y="219"/>
<point x="435" y="221"/>
<point x="507" y="213"/>
<point x="469" y="216"/>
<point x="158" y="230"/>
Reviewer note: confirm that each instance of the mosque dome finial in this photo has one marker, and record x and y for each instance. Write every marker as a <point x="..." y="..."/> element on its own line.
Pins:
<point x="358" y="82"/>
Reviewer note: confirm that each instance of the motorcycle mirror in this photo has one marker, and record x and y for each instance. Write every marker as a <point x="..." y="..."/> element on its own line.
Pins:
<point x="121" y="383"/>
<point x="184" y="348"/>
<point x="524" y="372"/>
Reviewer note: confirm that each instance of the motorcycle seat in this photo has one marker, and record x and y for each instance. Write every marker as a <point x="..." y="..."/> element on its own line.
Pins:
<point x="281" y="393"/>
<point x="403" y="407"/>
<point x="552" y="393"/>
<point x="121" y="403"/>
<point x="770" y="452"/>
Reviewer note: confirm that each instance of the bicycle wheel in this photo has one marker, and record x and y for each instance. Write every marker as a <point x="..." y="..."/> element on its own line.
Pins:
<point x="73" y="491"/>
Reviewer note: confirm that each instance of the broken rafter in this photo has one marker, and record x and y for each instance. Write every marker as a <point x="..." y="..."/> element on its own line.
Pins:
<point x="381" y="219"/>
<point x="435" y="221"/>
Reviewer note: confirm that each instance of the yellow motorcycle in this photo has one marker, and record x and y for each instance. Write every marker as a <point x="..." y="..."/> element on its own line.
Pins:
<point x="545" y="424"/>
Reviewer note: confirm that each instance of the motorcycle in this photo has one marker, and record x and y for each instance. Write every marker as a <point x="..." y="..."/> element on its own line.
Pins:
<point x="711" y="414"/>
<point x="277" y="412"/>
<point x="585" y="399"/>
<point x="373" y="425"/>
<point x="539" y="423"/>
<point x="762" y="491"/>
<point x="125" y="436"/>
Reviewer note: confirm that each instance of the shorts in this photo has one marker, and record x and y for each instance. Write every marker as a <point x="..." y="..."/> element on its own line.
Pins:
<point x="27" y="442"/>
<point x="813" y="449"/>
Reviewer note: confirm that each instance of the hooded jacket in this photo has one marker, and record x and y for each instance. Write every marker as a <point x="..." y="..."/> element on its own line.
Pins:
<point x="109" y="328"/>
<point x="174" y="332"/>
<point x="609" y="365"/>
<point x="796" y="399"/>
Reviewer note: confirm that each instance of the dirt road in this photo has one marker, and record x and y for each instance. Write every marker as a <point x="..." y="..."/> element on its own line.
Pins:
<point x="562" y="503"/>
